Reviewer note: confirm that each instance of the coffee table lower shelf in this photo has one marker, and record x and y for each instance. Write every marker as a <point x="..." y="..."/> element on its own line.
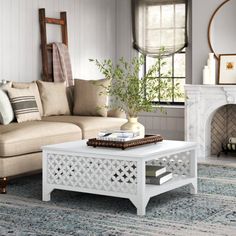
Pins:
<point x="76" y="167"/>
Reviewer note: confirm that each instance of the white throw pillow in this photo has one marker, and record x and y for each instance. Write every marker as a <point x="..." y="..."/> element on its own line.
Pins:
<point x="6" y="111"/>
<point x="24" y="104"/>
<point x="34" y="87"/>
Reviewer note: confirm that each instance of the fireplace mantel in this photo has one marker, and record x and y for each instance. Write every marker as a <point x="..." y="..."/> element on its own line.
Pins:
<point x="201" y="104"/>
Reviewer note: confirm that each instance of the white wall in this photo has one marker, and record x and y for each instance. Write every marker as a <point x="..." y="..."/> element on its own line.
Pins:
<point x="202" y="11"/>
<point x="124" y="30"/>
<point x="91" y="31"/>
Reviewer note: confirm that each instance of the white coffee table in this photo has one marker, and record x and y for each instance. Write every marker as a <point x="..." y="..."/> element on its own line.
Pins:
<point x="74" y="166"/>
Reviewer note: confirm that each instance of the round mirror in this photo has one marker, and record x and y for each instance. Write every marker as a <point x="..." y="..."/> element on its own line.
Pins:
<point x="222" y="30"/>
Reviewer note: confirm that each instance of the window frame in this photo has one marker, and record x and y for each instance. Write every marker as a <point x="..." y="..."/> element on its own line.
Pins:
<point x="172" y="77"/>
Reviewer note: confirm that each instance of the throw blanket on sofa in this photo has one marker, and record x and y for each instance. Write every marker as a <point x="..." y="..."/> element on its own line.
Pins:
<point x="61" y="64"/>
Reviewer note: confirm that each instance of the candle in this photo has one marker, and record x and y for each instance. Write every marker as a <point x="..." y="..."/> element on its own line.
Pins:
<point x="206" y="75"/>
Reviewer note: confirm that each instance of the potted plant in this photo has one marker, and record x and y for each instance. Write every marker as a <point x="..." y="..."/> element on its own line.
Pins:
<point x="133" y="93"/>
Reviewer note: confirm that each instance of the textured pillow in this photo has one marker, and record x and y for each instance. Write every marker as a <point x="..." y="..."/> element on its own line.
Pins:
<point x="116" y="113"/>
<point x="70" y="97"/>
<point x="54" y="98"/>
<point x="6" y="112"/>
<point x="33" y="86"/>
<point x="24" y="104"/>
<point x="6" y="86"/>
<point x="88" y="100"/>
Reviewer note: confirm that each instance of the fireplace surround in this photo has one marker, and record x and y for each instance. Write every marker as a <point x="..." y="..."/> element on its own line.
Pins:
<point x="202" y="102"/>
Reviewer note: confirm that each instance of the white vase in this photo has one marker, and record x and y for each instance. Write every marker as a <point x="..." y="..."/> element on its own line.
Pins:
<point x="211" y="62"/>
<point x="134" y="125"/>
<point x="206" y="75"/>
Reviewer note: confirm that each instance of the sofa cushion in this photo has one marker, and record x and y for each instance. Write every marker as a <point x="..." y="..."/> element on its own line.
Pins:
<point x="28" y="137"/>
<point x="89" y="97"/>
<point x="54" y="98"/>
<point x="34" y="88"/>
<point x="24" y="104"/>
<point x="6" y="112"/>
<point x="90" y="125"/>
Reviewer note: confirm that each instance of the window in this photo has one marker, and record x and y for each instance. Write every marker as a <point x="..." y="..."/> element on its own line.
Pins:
<point x="172" y="73"/>
<point x="157" y="25"/>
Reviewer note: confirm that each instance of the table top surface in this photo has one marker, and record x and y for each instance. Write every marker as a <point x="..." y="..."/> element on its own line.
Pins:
<point x="164" y="147"/>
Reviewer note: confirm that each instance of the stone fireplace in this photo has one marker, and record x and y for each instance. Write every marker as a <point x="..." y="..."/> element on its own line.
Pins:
<point x="223" y="126"/>
<point x="203" y="102"/>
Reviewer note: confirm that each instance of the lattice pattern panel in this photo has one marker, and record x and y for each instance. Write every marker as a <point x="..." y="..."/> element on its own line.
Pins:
<point x="92" y="173"/>
<point x="178" y="164"/>
<point x="223" y="126"/>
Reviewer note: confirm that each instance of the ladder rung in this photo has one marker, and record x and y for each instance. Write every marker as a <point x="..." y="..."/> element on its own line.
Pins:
<point x="54" y="21"/>
<point x="49" y="46"/>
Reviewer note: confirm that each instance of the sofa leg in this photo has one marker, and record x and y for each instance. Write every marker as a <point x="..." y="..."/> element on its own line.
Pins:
<point x="3" y="185"/>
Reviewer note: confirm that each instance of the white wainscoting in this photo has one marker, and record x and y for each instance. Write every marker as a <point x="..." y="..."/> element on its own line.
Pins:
<point x="169" y="125"/>
<point x="91" y="30"/>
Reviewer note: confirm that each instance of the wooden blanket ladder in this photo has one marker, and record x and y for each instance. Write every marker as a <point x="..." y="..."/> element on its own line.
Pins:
<point x="47" y="48"/>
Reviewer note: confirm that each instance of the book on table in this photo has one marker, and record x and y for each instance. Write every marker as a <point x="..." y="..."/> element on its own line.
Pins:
<point x="118" y="135"/>
<point x="154" y="171"/>
<point x="158" y="180"/>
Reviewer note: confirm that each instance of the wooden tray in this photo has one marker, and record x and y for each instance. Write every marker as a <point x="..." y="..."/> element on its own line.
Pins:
<point x="123" y="145"/>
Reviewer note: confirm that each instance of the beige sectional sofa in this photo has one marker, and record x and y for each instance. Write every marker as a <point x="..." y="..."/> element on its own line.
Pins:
<point x="20" y="143"/>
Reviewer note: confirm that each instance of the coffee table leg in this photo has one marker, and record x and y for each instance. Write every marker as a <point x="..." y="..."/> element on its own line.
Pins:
<point x="46" y="194"/>
<point x="193" y="188"/>
<point x="141" y="181"/>
<point x="141" y="210"/>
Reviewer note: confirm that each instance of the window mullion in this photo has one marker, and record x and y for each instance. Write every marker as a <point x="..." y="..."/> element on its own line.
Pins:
<point x="173" y="80"/>
<point x="144" y="73"/>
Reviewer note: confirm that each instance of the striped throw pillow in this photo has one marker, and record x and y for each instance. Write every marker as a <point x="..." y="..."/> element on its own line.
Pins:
<point x="24" y="104"/>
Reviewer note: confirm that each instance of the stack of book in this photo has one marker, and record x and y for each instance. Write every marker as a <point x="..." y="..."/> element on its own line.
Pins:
<point x="157" y="175"/>
<point x="118" y="135"/>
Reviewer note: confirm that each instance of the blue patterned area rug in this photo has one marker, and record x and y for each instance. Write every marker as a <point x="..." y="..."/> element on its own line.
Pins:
<point x="211" y="212"/>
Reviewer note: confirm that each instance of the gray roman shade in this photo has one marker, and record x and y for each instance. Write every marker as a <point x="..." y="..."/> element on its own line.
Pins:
<point x="158" y="25"/>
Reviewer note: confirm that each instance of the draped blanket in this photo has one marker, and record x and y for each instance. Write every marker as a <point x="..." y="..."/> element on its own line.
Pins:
<point x="61" y="64"/>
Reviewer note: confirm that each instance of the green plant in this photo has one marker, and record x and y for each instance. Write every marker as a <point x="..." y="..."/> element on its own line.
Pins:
<point x="130" y="92"/>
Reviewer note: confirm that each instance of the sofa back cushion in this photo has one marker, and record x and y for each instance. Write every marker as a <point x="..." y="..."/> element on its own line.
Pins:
<point x="24" y="104"/>
<point x="89" y="99"/>
<point x="6" y="112"/>
<point x="32" y="86"/>
<point x="54" y="98"/>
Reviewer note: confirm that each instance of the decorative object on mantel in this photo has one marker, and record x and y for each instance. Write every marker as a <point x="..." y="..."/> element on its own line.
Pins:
<point x="209" y="71"/>
<point x="222" y="30"/>
<point x="126" y="144"/>
<point x="227" y="69"/>
<point x="206" y="75"/>
<point x="133" y="93"/>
